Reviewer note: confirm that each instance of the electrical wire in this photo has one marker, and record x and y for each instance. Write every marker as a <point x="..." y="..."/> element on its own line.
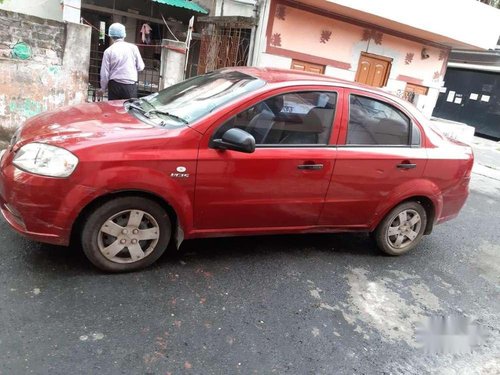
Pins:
<point x="166" y="24"/>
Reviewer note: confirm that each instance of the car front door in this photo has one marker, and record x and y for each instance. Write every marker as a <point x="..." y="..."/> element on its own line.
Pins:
<point x="281" y="184"/>
<point x="380" y="156"/>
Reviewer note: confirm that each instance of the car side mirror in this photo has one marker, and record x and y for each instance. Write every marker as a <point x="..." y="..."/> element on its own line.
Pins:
<point x="237" y="140"/>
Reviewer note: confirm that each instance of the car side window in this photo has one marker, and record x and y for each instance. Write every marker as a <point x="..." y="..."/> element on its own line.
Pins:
<point x="372" y="122"/>
<point x="299" y="118"/>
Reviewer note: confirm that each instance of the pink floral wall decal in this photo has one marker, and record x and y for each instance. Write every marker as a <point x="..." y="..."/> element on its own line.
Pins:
<point x="377" y="37"/>
<point x="276" y="40"/>
<point x="436" y="76"/>
<point x="325" y="36"/>
<point x="280" y="12"/>
<point x="366" y="35"/>
<point x="409" y="58"/>
<point x="372" y="34"/>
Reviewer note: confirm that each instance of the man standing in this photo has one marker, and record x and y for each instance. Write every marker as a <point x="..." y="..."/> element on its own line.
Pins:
<point x="120" y="64"/>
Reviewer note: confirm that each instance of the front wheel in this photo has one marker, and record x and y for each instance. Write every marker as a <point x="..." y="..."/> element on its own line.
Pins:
<point x="402" y="229"/>
<point x="126" y="234"/>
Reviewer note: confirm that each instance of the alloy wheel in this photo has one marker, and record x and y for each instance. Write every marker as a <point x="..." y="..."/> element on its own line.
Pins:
<point x="404" y="229"/>
<point x="128" y="236"/>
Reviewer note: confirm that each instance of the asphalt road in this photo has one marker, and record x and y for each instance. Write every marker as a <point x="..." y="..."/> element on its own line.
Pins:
<point x="316" y="304"/>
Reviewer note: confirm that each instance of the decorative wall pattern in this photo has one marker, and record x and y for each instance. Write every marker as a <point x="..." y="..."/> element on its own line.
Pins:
<point x="409" y="58"/>
<point x="280" y="12"/>
<point x="374" y="35"/>
<point x="325" y="36"/>
<point x="276" y="40"/>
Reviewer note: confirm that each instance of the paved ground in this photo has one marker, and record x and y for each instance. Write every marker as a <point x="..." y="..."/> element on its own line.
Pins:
<point x="321" y="304"/>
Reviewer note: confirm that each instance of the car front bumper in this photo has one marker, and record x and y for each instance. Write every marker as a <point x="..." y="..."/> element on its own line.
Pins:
<point x="40" y="208"/>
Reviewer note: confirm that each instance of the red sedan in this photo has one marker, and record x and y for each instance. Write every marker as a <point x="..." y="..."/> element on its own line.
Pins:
<point x="233" y="152"/>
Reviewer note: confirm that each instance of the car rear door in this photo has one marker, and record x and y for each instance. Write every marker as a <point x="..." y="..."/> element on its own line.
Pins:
<point x="379" y="156"/>
<point x="284" y="182"/>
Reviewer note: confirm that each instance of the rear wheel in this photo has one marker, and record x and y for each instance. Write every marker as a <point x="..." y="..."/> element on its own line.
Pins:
<point x="126" y="234"/>
<point x="402" y="229"/>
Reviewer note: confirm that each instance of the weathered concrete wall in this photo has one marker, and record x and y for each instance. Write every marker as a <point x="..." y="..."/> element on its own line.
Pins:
<point x="54" y="74"/>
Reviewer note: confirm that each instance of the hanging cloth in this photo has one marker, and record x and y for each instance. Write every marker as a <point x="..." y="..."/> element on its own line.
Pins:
<point x="146" y="33"/>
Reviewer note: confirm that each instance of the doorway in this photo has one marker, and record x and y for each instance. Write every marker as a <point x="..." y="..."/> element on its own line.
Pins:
<point x="99" y="42"/>
<point x="373" y="70"/>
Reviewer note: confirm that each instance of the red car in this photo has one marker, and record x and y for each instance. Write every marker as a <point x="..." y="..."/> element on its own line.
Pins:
<point x="238" y="151"/>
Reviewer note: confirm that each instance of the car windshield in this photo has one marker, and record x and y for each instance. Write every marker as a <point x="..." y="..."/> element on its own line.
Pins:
<point x="187" y="101"/>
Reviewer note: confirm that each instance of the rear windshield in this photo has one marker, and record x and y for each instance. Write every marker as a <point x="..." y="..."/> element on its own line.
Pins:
<point x="192" y="99"/>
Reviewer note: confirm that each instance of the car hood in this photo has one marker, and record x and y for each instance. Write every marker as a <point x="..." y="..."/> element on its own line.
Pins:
<point x="74" y="126"/>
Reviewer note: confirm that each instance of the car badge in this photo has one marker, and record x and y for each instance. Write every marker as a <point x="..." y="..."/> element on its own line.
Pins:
<point x="180" y="172"/>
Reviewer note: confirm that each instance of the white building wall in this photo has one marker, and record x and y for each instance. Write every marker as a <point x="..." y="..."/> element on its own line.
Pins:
<point x="71" y="10"/>
<point x="467" y="21"/>
<point x="243" y="8"/>
<point x="348" y="75"/>
<point x="57" y="10"/>
<point x="260" y="41"/>
<point x="272" y="61"/>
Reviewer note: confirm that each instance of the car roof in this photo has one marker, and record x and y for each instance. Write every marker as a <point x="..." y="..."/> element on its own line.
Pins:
<point x="276" y="76"/>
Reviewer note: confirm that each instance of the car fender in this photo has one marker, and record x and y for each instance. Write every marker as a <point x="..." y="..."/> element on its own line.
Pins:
<point x="145" y="180"/>
<point x="412" y="188"/>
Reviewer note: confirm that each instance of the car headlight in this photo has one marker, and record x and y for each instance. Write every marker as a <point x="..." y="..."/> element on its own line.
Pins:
<point x="45" y="160"/>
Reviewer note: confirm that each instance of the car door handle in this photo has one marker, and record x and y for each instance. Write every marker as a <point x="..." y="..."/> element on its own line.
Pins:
<point x="310" y="166"/>
<point x="406" y="165"/>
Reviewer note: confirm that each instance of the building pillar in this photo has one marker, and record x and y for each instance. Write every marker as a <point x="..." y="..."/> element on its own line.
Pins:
<point x="173" y="61"/>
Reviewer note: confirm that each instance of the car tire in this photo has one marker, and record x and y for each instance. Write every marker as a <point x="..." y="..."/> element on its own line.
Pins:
<point x="126" y="234"/>
<point x="402" y="228"/>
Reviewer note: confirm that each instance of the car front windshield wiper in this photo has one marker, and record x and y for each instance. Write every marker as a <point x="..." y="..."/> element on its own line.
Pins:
<point x="135" y="104"/>
<point x="159" y="112"/>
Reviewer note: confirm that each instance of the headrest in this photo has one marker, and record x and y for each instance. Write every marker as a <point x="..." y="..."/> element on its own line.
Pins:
<point x="276" y="104"/>
<point x="316" y="120"/>
<point x="391" y="132"/>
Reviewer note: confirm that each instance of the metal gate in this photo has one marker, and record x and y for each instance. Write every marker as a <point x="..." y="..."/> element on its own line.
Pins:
<point x="224" y="42"/>
<point x="471" y="97"/>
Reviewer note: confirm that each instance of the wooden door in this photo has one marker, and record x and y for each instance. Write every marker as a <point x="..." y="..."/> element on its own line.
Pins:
<point x="373" y="70"/>
<point x="308" y="67"/>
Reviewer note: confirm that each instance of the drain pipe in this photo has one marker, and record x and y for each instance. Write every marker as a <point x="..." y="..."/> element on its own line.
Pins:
<point x="256" y="11"/>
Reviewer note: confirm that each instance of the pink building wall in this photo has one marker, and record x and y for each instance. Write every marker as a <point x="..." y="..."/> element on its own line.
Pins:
<point x="297" y="33"/>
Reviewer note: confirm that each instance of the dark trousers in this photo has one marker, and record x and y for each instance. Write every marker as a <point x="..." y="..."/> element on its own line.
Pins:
<point x="117" y="90"/>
